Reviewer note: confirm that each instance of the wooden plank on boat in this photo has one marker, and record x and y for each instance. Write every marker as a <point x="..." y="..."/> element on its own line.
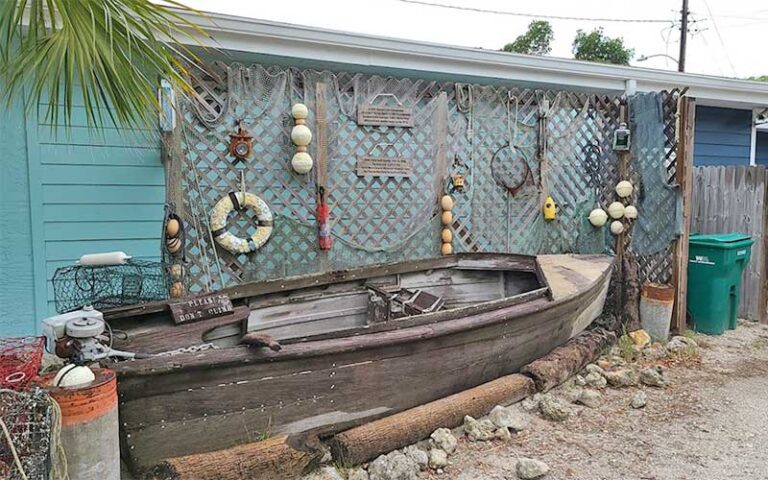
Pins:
<point x="277" y="457"/>
<point x="568" y="274"/>
<point x="365" y="442"/>
<point x="201" y="308"/>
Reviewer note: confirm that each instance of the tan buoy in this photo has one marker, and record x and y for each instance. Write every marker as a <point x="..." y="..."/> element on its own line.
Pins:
<point x="446" y="235"/>
<point x="177" y="290"/>
<point x="89" y="425"/>
<point x="446" y="249"/>
<point x="446" y="218"/>
<point x="173" y="244"/>
<point x="172" y="228"/>
<point x="446" y="202"/>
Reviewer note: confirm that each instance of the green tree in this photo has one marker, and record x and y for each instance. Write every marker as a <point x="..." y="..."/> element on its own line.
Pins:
<point x="761" y="78"/>
<point x="536" y="41"/>
<point x="109" y="53"/>
<point x="597" y="47"/>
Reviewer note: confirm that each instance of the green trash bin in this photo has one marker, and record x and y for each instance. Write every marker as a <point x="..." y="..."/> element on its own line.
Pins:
<point x="715" y="265"/>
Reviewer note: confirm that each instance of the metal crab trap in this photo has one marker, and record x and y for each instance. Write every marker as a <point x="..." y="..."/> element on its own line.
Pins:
<point x="28" y="423"/>
<point x="109" y="286"/>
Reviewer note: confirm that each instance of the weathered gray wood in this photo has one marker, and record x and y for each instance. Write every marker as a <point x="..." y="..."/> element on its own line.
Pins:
<point x="731" y="199"/>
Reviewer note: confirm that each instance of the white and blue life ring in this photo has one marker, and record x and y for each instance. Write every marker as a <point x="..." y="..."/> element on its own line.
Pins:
<point x="238" y="201"/>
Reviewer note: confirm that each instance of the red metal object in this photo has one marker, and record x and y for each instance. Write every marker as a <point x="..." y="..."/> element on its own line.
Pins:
<point x="20" y="360"/>
<point x="324" y="238"/>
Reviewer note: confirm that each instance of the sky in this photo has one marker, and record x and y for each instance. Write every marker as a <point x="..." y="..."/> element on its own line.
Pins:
<point x="727" y="36"/>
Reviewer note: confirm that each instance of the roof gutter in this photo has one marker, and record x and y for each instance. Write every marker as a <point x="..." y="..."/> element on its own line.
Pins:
<point x="301" y="42"/>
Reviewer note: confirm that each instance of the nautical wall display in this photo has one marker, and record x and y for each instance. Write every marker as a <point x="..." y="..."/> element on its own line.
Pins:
<point x="385" y="115"/>
<point x="301" y="136"/>
<point x="446" y="236"/>
<point x="240" y="143"/>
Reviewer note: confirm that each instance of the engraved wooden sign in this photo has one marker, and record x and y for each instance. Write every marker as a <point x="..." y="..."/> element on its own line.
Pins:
<point x="201" y="308"/>
<point x="384" y="166"/>
<point x="385" y="115"/>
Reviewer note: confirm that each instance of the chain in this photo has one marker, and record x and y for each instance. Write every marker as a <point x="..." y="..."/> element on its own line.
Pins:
<point x="193" y="349"/>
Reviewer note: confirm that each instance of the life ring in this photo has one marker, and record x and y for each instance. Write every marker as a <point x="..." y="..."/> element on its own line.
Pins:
<point x="238" y="201"/>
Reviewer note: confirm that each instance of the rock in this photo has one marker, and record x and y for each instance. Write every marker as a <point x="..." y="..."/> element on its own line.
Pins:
<point x="579" y="380"/>
<point x="417" y="455"/>
<point x="553" y="409"/>
<point x="393" y="466"/>
<point x="531" y="404"/>
<point x="504" y="417"/>
<point x="639" y="400"/>
<point x="358" y="474"/>
<point x="680" y="343"/>
<point x="623" y="377"/>
<point x="530" y="469"/>
<point x="571" y="394"/>
<point x="438" y="458"/>
<point x="592" y="368"/>
<point x="502" y="434"/>
<point x="444" y="440"/>
<point x="324" y="473"/>
<point x="590" y="398"/>
<point x="655" y="351"/>
<point x="640" y="338"/>
<point x="478" y="430"/>
<point x="596" y="380"/>
<point x="652" y="377"/>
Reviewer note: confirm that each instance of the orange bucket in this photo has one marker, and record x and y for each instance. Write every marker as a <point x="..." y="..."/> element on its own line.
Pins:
<point x="84" y="403"/>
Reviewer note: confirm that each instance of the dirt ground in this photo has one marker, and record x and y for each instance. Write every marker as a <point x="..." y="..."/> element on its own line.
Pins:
<point x="710" y="423"/>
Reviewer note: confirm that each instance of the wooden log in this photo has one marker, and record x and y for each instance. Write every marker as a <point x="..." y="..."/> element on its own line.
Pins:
<point x="563" y="362"/>
<point x="631" y="293"/>
<point x="363" y="443"/>
<point x="284" y="457"/>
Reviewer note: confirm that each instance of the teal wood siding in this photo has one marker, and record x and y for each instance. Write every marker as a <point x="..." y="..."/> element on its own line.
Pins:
<point x="99" y="190"/>
<point x="761" y="149"/>
<point x="722" y="136"/>
<point x="17" y="281"/>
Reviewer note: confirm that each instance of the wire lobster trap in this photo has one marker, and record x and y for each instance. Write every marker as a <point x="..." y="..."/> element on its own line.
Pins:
<point x="28" y="420"/>
<point x="109" y="286"/>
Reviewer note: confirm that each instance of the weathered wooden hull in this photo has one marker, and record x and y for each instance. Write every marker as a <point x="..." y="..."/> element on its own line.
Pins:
<point x="221" y="398"/>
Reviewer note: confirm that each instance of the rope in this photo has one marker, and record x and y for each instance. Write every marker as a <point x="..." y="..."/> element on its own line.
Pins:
<point x="59" y="468"/>
<point x="16" y="458"/>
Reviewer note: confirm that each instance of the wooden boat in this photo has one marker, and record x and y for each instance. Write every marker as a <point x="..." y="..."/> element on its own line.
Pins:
<point x="446" y="325"/>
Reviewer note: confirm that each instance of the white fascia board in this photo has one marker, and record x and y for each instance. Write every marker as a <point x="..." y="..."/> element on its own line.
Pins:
<point x="302" y="42"/>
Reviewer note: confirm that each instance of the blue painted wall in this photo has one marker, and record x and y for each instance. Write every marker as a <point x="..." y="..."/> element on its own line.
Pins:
<point x="66" y="193"/>
<point x="16" y="262"/>
<point x="722" y="136"/>
<point x="761" y="149"/>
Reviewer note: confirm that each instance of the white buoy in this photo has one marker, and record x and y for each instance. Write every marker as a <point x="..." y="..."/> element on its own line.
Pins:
<point x="107" y="258"/>
<point x="630" y="212"/>
<point x="617" y="227"/>
<point x="73" y="376"/>
<point x="598" y="217"/>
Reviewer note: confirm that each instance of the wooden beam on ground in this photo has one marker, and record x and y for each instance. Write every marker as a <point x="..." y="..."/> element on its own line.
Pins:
<point x="684" y="175"/>
<point x="563" y="362"/>
<point x="280" y="457"/>
<point x="363" y="443"/>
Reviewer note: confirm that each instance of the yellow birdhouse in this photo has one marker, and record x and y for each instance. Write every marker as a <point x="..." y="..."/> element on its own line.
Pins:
<point x="550" y="209"/>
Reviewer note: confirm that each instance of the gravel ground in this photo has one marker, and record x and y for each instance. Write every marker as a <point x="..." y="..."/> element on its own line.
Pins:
<point x="710" y="423"/>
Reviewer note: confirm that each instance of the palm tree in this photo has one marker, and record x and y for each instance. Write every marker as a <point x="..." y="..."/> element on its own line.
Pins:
<point x="108" y="52"/>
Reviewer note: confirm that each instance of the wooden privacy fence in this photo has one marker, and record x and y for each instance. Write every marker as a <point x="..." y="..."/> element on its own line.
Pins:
<point x="733" y="199"/>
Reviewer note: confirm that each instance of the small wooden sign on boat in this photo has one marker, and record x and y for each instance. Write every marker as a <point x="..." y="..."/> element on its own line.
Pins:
<point x="201" y="308"/>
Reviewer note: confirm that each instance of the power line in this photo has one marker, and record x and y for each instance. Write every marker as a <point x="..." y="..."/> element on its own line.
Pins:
<point x="720" y="38"/>
<point x="530" y="15"/>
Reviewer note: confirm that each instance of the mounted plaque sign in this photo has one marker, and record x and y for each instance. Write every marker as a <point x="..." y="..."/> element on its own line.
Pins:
<point x="384" y="166"/>
<point x="201" y="308"/>
<point x="398" y="116"/>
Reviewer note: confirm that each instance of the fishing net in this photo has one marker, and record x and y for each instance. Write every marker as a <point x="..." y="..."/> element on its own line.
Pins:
<point x="20" y="360"/>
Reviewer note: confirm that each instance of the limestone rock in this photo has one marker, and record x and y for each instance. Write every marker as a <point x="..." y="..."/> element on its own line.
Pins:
<point x="530" y="469"/>
<point x="478" y="430"/>
<point x="393" y="466"/>
<point x="553" y="409"/>
<point x="655" y="351"/>
<point x="504" y="417"/>
<point x="502" y="434"/>
<point x="579" y="381"/>
<point x="571" y="394"/>
<point x="593" y="368"/>
<point x="358" y="474"/>
<point x="417" y="455"/>
<point x="639" y="400"/>
<point x="680" y="343"/>
<point x="438" y="458"/>
<point x="640" y="338"/>
<point x="596" y="380"/>
<point x="623" y="377"/>
<point x="324" y="473"/>
<point x="444" y="440"/>
<point x="531" y="403"/>
<point x="590" y="398"/>
<point x="652" y="377"/>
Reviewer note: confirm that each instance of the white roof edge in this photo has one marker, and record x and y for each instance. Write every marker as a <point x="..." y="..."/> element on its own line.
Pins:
<point x="302" y="42"/>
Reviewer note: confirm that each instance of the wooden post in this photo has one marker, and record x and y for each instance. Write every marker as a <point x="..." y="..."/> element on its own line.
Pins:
<point x="684" y="176"/>
<point x="762" y="303"/>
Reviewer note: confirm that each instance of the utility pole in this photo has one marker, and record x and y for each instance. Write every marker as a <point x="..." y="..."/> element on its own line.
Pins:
<point x="683" y="37"/>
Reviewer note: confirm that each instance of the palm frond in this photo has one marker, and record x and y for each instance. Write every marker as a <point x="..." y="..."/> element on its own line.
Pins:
<point x="105" y="55"/>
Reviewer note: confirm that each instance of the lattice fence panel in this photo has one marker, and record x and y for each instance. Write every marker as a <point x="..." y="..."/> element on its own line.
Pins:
<point x="490" y="134"/>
